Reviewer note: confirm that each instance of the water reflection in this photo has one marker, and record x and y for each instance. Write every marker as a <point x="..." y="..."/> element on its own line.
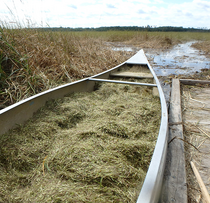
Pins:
<point x="182" y="59"/>
<point x="122" y="49"/>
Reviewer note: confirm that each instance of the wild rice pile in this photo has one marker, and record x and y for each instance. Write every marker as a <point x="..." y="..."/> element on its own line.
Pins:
<point x="87" y="147"/>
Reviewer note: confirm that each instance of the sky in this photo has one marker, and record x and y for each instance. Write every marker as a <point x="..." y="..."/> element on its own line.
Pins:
<point x="99" y="13"/>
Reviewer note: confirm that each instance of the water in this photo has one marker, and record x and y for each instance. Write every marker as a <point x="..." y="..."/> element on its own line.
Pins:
<point x="182" y="59"/>
<point x="122" y="49"/>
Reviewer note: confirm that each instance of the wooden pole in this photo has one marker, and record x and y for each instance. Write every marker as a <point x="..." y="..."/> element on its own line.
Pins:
<point x="194" y="82"/>
<point x="201" y="184"/>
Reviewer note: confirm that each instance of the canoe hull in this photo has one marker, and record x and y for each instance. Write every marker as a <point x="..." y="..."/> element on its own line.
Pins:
<point x="21" y="111"/>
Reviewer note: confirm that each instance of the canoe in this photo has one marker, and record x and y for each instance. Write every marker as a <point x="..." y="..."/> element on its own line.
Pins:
<point x="135" y="67"/>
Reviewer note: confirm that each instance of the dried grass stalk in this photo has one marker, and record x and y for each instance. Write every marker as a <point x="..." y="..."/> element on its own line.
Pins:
<point x="88" y="147"/>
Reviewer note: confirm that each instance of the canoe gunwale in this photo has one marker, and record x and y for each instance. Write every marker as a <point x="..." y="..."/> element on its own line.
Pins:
<point x="21" y="111"/>
<point x="151" y="189"/>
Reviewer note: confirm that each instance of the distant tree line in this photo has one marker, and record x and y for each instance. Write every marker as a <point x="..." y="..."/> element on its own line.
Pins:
<point x="130" y="28"/>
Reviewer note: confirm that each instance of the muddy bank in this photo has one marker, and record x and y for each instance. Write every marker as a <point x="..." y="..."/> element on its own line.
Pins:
<point x="204" y="47"/>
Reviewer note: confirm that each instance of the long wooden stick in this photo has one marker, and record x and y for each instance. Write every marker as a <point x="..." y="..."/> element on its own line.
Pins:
<point x="193" y="82"/>
<point x="201" y="184"/>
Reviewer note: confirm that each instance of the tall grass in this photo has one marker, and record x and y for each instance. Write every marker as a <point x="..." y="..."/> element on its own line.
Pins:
<point x="32" y="61"/>
<point x="120" y="36"/>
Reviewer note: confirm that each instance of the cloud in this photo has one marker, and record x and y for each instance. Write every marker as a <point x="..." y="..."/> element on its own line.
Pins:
<point x="73" y="6"/>
<point x="140" y="11"/>
<point x="189" y="15"/>
<point x="158" y="1"/>
<point x="94" y="13"/>
<point x="110" y="6"/>
<point x="203" y="4"/>
<point x="141" y="2"/>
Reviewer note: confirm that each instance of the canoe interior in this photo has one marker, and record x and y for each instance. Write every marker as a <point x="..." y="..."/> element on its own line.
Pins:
<point x="136" y="67"/>
<point x="101" y="139"/>
<point x="132" y="70"/>
<point x="23" y="110"/>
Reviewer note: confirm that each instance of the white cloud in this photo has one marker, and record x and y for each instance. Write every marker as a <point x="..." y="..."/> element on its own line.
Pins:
<point x="140" y="11"/>
<point x="203" y="4"/>
<point x="158" y="1"/>
<point x="110" y="6"/>
<point x="94" y="13"/>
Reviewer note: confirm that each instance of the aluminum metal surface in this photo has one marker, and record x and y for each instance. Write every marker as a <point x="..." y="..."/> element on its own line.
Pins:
<point x="122" y="82"/>
<point x="152" y="185"/>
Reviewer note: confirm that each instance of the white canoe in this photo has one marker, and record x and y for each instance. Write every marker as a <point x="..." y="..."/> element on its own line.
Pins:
<point x="21" y="111"/>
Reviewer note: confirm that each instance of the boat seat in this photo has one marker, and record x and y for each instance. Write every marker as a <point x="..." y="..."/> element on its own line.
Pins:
<point x="127" y="74"/>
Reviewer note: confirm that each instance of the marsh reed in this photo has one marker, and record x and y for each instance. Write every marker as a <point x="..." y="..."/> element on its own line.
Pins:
<point x="32" y="61"/>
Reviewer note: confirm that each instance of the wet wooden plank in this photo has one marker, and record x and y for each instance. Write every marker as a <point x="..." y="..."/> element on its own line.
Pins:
<point x="174" y="183"/>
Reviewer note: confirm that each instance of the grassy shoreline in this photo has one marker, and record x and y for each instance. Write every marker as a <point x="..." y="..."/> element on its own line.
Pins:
<point x="32" y="61"/>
